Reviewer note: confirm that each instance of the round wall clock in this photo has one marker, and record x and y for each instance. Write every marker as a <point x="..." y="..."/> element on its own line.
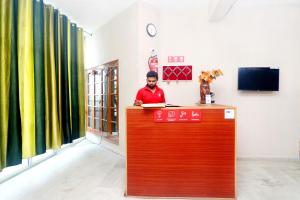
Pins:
<point x="151" y="30"/>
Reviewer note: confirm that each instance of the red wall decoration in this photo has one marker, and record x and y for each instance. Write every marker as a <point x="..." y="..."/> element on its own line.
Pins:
<point x="177" y="72"/>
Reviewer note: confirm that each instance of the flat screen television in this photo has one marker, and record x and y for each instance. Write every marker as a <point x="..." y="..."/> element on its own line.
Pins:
<point x="258" y="78"/>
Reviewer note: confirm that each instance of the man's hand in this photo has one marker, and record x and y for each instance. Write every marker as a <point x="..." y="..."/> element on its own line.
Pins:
<point x="138" y="102"/>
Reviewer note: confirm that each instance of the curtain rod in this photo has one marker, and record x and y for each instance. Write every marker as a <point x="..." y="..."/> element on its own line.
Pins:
<point x="49" y="4"/>
<point x="90" y="34"/>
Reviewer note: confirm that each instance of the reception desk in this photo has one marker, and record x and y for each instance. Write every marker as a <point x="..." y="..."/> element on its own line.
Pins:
<point x="171" y="156"/>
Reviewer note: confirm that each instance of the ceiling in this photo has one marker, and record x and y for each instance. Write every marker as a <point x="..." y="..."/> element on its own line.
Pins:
<point x="90" y="14"/>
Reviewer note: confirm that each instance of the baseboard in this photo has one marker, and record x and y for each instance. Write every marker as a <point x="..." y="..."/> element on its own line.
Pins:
<point x="268" y="159"/>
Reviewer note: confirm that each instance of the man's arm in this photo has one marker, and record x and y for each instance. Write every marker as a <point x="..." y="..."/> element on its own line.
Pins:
<point x="138" y="99"/>
<point x="138" y="102"/>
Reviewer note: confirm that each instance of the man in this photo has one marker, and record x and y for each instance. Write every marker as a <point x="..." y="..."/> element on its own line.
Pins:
<point x="151" y="93"/>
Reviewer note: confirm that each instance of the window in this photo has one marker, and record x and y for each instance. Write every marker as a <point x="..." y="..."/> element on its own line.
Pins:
<point x="103" y="100"/>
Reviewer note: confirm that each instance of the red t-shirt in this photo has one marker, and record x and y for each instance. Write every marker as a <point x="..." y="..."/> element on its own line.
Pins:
<point x="147" y="96"/>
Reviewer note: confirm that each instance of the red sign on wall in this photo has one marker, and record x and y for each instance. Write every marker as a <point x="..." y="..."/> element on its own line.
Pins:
<point x="180" y="115"/>
<point x="175" y="58"/>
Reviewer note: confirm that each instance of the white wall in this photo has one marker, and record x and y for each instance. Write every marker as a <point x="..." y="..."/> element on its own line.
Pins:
<point x="146" y="14"/>
<point x="251" y="35"/>
<point x="118" y="39"/>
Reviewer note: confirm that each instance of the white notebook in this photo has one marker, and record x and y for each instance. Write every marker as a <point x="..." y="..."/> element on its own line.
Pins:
<point x="153" y="105"/>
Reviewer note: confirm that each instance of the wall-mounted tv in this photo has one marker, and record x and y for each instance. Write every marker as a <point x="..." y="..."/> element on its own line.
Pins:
<point x="258" y="78"/>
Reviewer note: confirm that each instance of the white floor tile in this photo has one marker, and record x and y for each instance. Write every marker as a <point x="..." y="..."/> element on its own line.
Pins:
<point x="88" y="171"/>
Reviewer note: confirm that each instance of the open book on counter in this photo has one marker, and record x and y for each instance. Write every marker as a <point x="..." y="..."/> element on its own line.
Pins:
<point x="158" y="105"/>
<point x="153" y="105"/>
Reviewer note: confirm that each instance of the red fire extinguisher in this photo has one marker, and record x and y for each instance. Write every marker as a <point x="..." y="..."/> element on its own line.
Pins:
<point x="153" y="62"/>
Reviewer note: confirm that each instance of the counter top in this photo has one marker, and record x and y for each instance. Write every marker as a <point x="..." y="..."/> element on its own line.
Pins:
<point x="200" y="106"/>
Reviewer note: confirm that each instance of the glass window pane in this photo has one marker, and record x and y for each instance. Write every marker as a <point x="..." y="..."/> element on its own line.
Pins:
<point x="97" y="88"/>
<point x="115" y="74"/>
<point x="114" y="87"/>
<point x="114" y="101"/>
<point x="90" y="122"/>
<point x="98" y="77"/>
<point x="97" y="100"/>
<point x="113" y="118"/>
<point x="100" y="88"/>
<point x="103" y="88"/>
<point x="102" y="99"/>
<point x="90" y="100"/>
<point x="97" y="112"/>
<point x="91" y="89"/>
<point x="114" y="127"/>
<point x="91" y="78"/>
<point x="90" y="110"/>
<point x="114" y="115"/>
<point x="104" y="124"/>
<point x="104" y="72"/>
<point x="104" y="113"/>
<point x="97" y="124"/>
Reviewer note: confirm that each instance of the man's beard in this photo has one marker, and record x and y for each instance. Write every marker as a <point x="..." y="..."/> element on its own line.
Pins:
<point x="151" y="86"/>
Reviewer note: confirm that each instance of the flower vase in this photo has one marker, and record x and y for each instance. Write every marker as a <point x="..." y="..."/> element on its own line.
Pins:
<point x="204" y="90"/>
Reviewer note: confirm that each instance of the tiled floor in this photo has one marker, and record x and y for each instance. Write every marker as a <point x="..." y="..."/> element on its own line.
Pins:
<point x="88" y="171"/>
<point x="268" y="179"/>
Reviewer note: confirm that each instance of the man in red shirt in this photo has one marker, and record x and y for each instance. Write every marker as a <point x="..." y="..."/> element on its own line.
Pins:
<point x="151" y="93"/>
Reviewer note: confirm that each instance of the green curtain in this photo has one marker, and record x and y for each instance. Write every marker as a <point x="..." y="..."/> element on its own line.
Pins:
<point x="14" y="147"/>
<point x="5" y="62"/>
<point x="57" y="53"/>
<point x="69" y="71"/>
<point x="53" y="135"/>
<point x="74" y="83"/>
<point x="81" y="82"/>
<point x="65" y="102"/>
<point x="42" y="83"/>
<point x="39" y="75"/>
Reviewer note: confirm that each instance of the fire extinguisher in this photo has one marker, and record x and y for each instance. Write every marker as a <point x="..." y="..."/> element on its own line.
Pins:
<point x="153" y="61"/>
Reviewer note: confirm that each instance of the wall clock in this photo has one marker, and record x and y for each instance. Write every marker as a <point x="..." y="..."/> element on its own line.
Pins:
<point x="151" y="30"/>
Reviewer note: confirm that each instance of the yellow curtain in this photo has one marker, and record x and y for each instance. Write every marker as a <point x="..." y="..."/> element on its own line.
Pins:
<point x="53" y="134"/>
<point x="5" y="60"/>
<point x="17" y="66"/>
<point x="26" y="77"/>
<point x="81" y="82"/>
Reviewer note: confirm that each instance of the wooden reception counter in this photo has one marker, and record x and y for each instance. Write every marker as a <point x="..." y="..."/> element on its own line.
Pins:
<point x="192" y="157"/>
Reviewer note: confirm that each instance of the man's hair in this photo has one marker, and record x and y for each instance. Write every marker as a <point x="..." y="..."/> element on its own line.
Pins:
<point x="152" y="74"/>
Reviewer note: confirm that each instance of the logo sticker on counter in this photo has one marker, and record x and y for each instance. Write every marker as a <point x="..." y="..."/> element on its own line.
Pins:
<point x="171" y="115"/>
<point x="183" y="115"/>
<point x="180" y="115"/>
<point x="195" y="116"/>
<point x="158" y="115"/>
<point x="229" y="114"/>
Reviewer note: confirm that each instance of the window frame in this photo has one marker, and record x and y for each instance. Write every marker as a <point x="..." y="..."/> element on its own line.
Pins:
<point x="112" y="93"/>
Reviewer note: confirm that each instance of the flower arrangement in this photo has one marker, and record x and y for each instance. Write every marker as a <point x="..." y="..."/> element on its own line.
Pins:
<point x="209" y="76"/>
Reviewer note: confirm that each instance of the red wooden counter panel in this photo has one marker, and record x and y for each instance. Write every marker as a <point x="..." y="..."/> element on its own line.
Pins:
<point x="180" y="159"/>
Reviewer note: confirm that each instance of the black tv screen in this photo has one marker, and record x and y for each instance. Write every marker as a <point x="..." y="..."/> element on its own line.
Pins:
<point x="258" y="78"/>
